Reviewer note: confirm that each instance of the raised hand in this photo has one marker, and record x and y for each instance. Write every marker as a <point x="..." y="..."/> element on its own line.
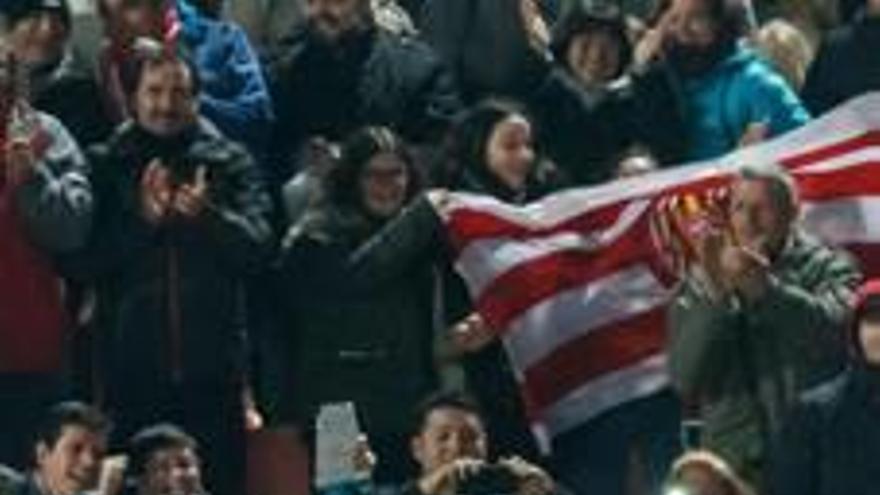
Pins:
<point x="190" y="199"/>
<point x="156" y="192"/>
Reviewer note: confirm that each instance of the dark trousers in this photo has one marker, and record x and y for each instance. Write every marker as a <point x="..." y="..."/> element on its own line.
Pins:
<point x="24" y="400"/>
<point x="595" y="458"/>
<point x="212" y="413"/>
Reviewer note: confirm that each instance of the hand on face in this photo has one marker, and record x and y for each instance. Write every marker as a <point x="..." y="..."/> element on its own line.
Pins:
<point x="732" y="267"/>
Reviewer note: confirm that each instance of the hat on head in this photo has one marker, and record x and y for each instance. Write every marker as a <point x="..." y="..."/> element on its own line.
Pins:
<point x="16" y="10"/>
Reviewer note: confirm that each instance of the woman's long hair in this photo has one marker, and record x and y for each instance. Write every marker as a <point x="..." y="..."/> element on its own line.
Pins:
<point x="465" y="159"/>
<point x="342" y="184"/>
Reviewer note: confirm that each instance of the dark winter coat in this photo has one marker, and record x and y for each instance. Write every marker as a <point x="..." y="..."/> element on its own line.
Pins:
<point x="747" y="362"/>
<point x="70" y="93"/>
<point x="846" y="65"/>
<point x="173" y="292"/>
<point x="831" y="442"/>
<point x="368" y="78"/>
<point x="370" y="343"/>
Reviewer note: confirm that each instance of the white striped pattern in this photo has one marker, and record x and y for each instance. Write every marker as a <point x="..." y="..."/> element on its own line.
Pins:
<point x="549" y="324"/>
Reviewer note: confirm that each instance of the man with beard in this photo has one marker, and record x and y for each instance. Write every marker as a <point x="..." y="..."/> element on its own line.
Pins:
<point x="180" y="222"/>
<point x="730" y="97"/>
<point x="342" y="72"/>
<point x="234" y="95"/>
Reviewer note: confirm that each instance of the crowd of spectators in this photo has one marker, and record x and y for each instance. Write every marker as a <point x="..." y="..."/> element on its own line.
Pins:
<point x="231" y="216"/>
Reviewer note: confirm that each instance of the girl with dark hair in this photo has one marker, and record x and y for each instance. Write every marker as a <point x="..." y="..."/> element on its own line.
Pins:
<point x="369" y="343"/>
<point x="492" y="151"/>
<point x="376" y="174"/>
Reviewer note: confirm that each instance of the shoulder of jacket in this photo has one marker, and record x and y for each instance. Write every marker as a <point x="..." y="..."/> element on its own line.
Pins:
<point x="11" y="481"/>
<point x="822" y="402"/>
<point x="410" y="49"/>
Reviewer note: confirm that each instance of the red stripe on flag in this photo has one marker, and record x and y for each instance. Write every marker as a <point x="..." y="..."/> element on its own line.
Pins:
<point x="471" y="225"/>
<point x="870" y="138"/>
<point x="868" y="256"/>
<point x="531" y="282"/>
<point x="857" y="179"/>
<point x="601" y="351"/>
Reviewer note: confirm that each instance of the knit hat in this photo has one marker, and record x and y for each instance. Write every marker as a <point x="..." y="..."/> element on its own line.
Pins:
<point x="16" y="10"/>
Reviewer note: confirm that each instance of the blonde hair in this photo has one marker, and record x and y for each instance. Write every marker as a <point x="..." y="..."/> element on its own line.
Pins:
<point x="714" y="464"/>
<point x="787" y="49"/>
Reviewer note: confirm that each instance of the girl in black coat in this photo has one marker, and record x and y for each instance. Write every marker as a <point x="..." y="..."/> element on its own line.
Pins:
<point x="492" y="151"/>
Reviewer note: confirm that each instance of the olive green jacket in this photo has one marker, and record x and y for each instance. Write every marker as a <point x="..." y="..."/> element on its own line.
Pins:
<point x="744" y="363"/>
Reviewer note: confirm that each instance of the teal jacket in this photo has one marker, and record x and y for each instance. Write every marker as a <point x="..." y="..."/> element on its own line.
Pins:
<point x="740" y="90"/>
<point x="745" y="363"/>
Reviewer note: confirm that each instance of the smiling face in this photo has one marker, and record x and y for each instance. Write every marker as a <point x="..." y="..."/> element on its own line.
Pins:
<point x="449" y="434"/>
<point x="692" y="25"/>
<point x="594" y="57"/>
<point x="384" y="182"/>
<point x="71" y="466"/>
<point x="510" y="153"/>
<point x="172" y="471"/>
<point x="164" y="101"/>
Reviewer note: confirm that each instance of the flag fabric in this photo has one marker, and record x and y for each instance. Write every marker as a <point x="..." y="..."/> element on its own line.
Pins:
<point x="577" y="283"/>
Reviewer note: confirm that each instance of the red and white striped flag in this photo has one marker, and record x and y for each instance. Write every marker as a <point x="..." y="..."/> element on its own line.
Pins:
<point x="577" y="284"/>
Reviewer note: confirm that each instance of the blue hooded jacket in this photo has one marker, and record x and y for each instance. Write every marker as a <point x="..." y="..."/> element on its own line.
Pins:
<point x="235" y="96"/>
<point x="739" y="91"/>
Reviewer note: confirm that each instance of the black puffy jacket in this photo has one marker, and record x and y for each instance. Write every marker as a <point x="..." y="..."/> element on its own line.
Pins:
<point x="171" y="294"/>
<point x="368" y="78"/>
